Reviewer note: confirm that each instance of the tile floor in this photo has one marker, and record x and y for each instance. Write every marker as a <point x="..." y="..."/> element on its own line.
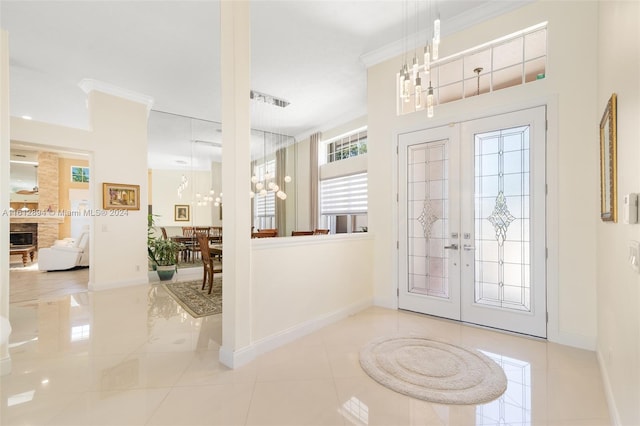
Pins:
<point x="132" y="356"/>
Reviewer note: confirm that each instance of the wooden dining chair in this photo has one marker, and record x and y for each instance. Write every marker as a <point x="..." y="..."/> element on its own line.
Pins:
<point x="320" y="232"/>
<point x="300" y="233"/>
<point x="209" y="267"/>
<point x="164" y="232"/>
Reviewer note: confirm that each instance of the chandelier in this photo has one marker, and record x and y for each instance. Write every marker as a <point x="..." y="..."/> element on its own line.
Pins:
<point x="410" y="82"/>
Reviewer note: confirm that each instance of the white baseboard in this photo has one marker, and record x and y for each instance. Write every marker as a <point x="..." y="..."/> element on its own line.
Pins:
<point x="238" y="358"/>
<point x="385" y="302"/>
<point x="98" y="286"/>
<point x="608" y="391"/>
<point x="5" y="366"/>
<point x="234" y="359"/>
<point x="283" y="337"/>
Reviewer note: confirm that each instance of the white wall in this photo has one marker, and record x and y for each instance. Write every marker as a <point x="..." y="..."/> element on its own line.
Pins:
<point x="569" y="90"/>
<point x="165" y="197"/>
<point x="5" y="359"/>
<point x="618" y="285"/>
<point x="301" y="283"/>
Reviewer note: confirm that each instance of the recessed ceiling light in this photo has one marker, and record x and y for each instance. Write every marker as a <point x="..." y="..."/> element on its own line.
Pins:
<point x="181" y="162"/>
<point x="27" y="117"/>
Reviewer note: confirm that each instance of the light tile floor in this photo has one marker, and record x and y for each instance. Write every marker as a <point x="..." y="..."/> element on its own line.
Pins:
<point x="132" y="356"/>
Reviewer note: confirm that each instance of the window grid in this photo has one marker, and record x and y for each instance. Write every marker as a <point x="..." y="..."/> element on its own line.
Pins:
<point x="428" y="219"/>
<point x="348" y="146"/>
<point x="494" y="76"/>
<point x="502" y="220"/>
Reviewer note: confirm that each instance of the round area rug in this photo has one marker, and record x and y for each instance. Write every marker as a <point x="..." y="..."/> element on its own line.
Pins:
<point x="433" y="371"/>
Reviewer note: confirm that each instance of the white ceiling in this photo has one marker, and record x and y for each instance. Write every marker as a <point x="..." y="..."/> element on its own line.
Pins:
<point x="306" y="52"/>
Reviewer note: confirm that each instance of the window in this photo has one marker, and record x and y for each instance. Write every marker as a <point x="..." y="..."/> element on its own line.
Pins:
<point x="348" y="146"/>
<point x="343" y="203"/>
<point x="79" y="174"/>
<point x="264" y="206"/>
<point x="511" y="60"/>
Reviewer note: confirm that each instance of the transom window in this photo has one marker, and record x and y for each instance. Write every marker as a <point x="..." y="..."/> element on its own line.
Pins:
<point x="348" y="146"/>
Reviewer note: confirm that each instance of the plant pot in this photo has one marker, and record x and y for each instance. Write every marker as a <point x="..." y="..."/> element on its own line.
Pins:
<point x="165" y="273"/>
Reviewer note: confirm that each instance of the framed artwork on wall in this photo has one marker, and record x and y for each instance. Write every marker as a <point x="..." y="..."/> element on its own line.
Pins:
<point x="609" y="163"/>
<point x="119" y="196"/>
<point x="181" y="213"/>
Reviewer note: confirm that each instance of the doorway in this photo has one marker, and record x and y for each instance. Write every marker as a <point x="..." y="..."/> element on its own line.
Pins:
<point x="472" y="237"/>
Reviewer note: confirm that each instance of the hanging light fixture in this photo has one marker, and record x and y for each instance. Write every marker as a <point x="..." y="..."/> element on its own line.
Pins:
<point x="409" y="79"/>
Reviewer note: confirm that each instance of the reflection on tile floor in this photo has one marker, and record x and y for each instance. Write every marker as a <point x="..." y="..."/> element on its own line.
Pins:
<point x="132" y="356"/>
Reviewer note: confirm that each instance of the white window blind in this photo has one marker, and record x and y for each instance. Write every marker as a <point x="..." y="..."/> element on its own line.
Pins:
<point x="265" y="205"/>
<point x="344" y="195"/>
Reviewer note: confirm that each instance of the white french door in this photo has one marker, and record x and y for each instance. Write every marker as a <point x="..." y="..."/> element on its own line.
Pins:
<point x="472" y="221"/>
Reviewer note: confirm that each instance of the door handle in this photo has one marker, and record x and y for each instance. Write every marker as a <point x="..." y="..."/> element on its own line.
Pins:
<point x="468" y="247"/>
<point x="451" y="247"/>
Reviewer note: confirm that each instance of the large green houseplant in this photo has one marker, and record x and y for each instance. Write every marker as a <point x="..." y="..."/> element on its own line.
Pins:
<point x="163" y="253"/>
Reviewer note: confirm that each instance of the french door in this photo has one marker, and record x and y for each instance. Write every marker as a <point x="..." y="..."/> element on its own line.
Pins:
<point x="472" y="221"/>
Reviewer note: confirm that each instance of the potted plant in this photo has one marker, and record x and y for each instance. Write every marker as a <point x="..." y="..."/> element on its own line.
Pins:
<point x="164" y="254"/>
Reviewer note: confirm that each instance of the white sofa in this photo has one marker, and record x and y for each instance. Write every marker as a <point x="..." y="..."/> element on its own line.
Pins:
<point x="65" y="254"/>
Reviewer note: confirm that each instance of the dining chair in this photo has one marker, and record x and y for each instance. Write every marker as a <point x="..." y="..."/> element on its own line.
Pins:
<point x="320" y="232"/>
<point x="164" y="232"/>
<point x="209" y="266"/>
<point x="300" y="233"/>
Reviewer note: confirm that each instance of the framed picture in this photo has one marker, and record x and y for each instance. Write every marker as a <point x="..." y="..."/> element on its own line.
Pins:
<point x="609" y="163"/>
<point x="79" y="174"/>
<point x="119" y="196"/>
<point x="181" y="213"/>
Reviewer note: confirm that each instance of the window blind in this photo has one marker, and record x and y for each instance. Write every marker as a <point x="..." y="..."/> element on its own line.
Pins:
<point x="344" y="195"/>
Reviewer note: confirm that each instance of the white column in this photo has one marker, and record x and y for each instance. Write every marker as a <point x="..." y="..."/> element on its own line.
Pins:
<point x="5" y="327"/>
<point x="235" y="40"/>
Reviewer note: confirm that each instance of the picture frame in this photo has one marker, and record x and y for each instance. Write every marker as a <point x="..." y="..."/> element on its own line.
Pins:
<point x="181" y="213"/>
<point x="609" y="163"/>
<point x="120" y="196"/>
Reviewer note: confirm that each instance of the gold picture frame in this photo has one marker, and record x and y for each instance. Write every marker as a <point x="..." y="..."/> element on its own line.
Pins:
<point x="609" y="163"/>
<point x="181" y="213"/>
<point x="119" y="196"/>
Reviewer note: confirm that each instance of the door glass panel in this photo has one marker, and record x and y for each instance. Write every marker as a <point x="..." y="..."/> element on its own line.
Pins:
<point x="502" y="219"/>
<point x="428" y="228"/>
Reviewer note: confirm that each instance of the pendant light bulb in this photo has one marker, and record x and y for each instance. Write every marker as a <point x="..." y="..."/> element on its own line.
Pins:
<point x="401" y="81"/>
<point x="405" y="89"/>
<point x="287" y="179"/>
<point x="427" y="59"/>
<point x="436" y="29"/>
<point x="430" y="101"/>
<point x="414" y="67"/>
<point x="435" y="49"/>
<point x="418" y="92"/>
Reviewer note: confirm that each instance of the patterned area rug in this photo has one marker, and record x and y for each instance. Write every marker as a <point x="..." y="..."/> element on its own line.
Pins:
<point x="433" y="371"/>
<point x="198" y="302"/>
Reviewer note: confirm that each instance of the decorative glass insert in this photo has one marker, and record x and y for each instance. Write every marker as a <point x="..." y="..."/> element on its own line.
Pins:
<point x="428" y="225"/>
<point x="502" y="219"/>
<point x="79" y="174"/>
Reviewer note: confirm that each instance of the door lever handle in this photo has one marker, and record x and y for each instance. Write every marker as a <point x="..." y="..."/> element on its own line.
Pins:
<point x="467" y="247"/>
<point x="451" y="247"/>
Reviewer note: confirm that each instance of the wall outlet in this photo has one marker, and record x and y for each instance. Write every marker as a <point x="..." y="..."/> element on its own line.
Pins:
<point x="634" y="255"/>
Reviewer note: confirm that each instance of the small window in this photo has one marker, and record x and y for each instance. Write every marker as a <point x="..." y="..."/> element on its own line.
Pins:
<point x="79" y="174"/>
<point x="347" y="146"/>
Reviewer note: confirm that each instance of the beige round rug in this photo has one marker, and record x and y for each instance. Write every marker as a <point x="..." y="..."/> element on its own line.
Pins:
<point x="433" y="371"/>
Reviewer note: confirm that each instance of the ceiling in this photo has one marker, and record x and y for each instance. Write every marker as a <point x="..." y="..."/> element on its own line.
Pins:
<point x="306" y="52"/>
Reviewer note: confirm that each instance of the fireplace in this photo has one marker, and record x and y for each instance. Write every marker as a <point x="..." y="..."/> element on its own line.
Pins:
<point x="23" y="234"/>
<point x="21" y="238"/>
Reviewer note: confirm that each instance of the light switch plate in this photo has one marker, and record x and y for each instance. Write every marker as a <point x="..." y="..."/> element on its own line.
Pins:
<point x="634" y="255"/>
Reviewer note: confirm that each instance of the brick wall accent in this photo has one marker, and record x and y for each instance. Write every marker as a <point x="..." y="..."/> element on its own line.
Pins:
<point x="48" y="180"/>
<point x="47" y="234"/>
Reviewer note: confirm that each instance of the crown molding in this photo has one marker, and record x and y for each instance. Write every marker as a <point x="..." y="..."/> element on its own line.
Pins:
<point x="460" y="22"/>
<point x="88" y="85"/>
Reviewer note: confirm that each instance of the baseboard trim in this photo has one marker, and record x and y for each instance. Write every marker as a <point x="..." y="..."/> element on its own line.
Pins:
<point x="235" y="359"/>
<point x="283" y="337"/>
<point x="99" y="286"/>
<point x="608" y="391"/>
